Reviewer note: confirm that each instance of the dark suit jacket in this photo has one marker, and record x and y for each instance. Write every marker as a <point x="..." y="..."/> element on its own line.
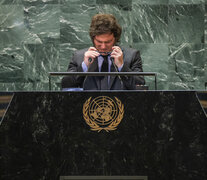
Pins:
<point x="132" y="63"/>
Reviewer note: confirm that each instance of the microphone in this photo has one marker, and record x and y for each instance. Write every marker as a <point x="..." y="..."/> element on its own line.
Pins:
<point x="112" y="60"/>
<point x="89" y="59"/>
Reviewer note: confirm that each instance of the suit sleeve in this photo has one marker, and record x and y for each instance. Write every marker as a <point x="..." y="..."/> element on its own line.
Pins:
<point x="73" y="81"/>
<point x="133" y="65"/>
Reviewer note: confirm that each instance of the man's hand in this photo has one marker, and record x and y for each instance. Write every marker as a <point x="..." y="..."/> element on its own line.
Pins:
<point x="117" y="54"/>
<point x="92" y="53"/>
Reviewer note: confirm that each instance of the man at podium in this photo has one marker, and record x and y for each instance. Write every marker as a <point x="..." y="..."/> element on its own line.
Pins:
<point x="105" y="56"/>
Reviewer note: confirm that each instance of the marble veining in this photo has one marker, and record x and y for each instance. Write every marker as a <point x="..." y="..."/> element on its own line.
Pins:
<point x="38" y="36"/>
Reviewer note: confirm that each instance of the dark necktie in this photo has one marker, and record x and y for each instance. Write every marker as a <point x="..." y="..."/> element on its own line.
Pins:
<point x="105" y="65"/>
<point x="104" y="68"/>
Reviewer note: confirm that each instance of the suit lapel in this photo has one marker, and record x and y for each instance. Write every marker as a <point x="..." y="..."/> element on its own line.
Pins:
<point x="94" y="68"/>
<point x="112" y="78"/>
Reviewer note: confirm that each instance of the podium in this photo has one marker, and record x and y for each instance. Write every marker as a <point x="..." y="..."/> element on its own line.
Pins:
<point x="154" y="135"/>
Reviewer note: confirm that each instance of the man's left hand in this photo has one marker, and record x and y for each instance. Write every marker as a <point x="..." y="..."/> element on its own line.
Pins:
<point x="117" y="54"/>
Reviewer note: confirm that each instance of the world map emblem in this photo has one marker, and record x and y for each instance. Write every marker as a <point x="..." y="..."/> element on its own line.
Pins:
<point x="103" y="113"/>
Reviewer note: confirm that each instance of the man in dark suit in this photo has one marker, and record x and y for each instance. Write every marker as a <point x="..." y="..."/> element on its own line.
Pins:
<point x="105" y="56"/>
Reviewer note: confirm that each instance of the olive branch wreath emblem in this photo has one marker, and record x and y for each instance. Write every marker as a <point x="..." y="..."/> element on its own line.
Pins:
<point x="95" y="126"/>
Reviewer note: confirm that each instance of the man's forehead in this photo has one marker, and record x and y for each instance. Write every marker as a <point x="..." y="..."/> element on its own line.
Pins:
<point x="104" y="37"/>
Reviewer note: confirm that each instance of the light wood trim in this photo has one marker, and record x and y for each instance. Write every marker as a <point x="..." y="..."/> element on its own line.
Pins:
<point x="2" y="112"/>
<point x="203" y="103"/>
<point x="5" y="99"/>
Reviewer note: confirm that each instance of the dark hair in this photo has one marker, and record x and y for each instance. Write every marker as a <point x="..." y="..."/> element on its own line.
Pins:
<point x="105" y="23"/>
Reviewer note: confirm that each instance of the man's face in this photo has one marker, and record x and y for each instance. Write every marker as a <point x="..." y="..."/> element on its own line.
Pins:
<point x="104" y="42"/>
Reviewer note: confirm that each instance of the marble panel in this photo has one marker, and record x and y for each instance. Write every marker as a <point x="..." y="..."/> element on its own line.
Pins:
<point x="121" y="4"/>
<point x="187" y="65"/>
<point x="12" y="25"/>
<point x="11" y="64"/>
<point x="186" y="23"/>
<point x="75" y="21"/>
<point x="151" y="2"/>
<point x="186" y="1"/>
<point x="39" y="60"/>
<point x="32" y="86"/>
<point x="150" y="23"/>
<point x="74" y="28"/>
<point x="205" y="66"/>
<point x="77" y="6"/>
<point x="42" y="21"/>
<point x="83" y="2"/>
<point x="155" y="59"/>
<point x="16" y="86"/>
<point x="205" y="23"/>
<point x="4" y="2"/>
<point x="36" y="86"/>
<point x="38" y="2"/>
<point x="15" y="27"/>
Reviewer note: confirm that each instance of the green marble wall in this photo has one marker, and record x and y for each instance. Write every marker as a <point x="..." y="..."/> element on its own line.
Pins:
<point x="39" y="36"/>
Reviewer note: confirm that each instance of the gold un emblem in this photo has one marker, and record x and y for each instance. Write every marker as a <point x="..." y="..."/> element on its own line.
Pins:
<point x="103" y="113"/>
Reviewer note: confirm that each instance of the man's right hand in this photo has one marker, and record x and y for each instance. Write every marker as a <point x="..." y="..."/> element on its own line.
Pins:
<point x="92" y="53"/>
